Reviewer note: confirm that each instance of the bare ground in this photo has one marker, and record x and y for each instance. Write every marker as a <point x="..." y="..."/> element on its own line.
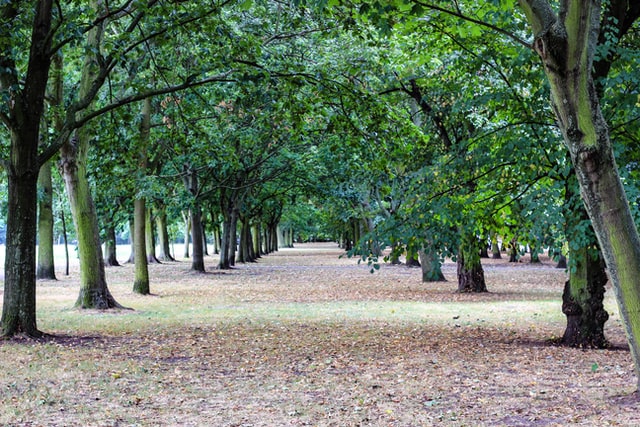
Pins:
<point x="305" y="338"/>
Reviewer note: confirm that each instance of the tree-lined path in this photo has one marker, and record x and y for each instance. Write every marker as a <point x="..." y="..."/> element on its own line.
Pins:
<point x="303" y="337"/>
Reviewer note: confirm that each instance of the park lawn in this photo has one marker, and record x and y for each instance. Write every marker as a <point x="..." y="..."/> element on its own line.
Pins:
<point x="304" y="337"/>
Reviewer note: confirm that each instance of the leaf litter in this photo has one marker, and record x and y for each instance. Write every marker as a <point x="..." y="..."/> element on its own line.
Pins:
<point x="305" y="338"/>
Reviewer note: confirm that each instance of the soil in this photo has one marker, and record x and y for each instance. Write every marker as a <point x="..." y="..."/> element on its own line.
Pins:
<point x="304" y="337"/>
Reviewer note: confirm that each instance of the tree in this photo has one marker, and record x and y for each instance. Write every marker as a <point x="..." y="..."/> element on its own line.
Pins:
<point x="566" y="41"/>
<point x="46" y="266"/>
<point x="22" y="113"/>
<point x="141" y="280"/>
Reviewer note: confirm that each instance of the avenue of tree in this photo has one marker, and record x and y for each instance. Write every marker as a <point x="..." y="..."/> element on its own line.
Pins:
<point x="433" y="128"/>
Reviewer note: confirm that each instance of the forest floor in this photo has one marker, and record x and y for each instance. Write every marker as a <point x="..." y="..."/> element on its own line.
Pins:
<point x="306" y="338"/>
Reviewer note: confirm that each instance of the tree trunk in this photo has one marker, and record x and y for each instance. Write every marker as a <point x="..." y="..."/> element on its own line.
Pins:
<point x="513" y="250"/>
<point x="24" y="107"/>
<point x="216" y="238"/>
<point x="132" y="243"/>
<point x="431" y="266"/>
<point x="46" y="267"/>
<point x="412" y="258"/>
<point x="46" y="264"/>
<point x="470" y="272"/>
<point x="582" y="301"/>
<point x="566" y="45"/>
<point x="66" y="241"/>
<point x="495" y="247"/>
<point x="187" y="232"/>
<point x="163" y="236"/>
<point x="19" y="305"/>
<point x="257" y="239"/>
<point x="484" y="248"/>
<point x="205" y="249"/>
<point x="225" y="243"/>
<point x="110" y="255"/>
<point x="246" y="253"/>
<point x="233" y="228"/>
<point x="141" y="276"/>
<point x="94" y="292"/>
<point x="197" y="260"/>
<point x="150" y="239"/>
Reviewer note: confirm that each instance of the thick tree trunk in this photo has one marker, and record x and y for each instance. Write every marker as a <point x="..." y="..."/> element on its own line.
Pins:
<point x="470" y="272"/>
<point x="582" y="301"/>
<point x="19" y="305"/>
<point x="141" y="276"/>
<point x="94" y="292"/>
<point x="46" y="268"/>
<point x="110" y="255"/>
<point x="24" y="107"/>
<point x="566" y="44"/>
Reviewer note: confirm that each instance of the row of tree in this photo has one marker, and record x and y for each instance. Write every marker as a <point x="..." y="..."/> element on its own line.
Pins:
<point x="422" y="126"/>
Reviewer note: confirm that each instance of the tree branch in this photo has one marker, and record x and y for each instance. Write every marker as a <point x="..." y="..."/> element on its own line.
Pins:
<point x="539" y="14"/>
<point x="72" y="124"/>
<point x="492" y="27"/>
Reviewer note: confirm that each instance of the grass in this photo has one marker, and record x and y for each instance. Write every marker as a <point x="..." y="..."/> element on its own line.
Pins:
<point x="305" y="338"/>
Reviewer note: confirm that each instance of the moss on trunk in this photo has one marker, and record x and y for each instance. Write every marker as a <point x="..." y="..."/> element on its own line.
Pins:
<point x="470" y="272"/>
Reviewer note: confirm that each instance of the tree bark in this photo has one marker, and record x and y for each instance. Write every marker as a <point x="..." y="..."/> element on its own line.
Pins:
<point x="150" y="238"/>
<point x="495" y="248"/>
<point x="141" y="279"/>
<point x="225" y="243"/>
<point x="46" y="267"/>
<point x="46" y="264"/>
<point x="19" y="305"/>
<point x="513" y="250"/>
<point x="470" y="272"/>
<point x="566" y="43"/>
<point x="582" y="301"/>
<point x="583" y="297"/>
<point x="187" y="233"/>
<point x="132" y="243"/>
<point x="163" y="236"/>
<point x="203" y="233"/>
<point x="197" y="260"/>
<point x="257" y="239"/>
<point x="110" y="246"/>
<point x="431" y="266"/>
<point x="94" y="292"/>
<point x="25" y="108"/>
